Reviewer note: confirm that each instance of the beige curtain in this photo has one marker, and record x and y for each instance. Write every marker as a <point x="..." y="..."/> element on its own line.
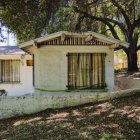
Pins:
<point x="86" y="70"/>
<point x="10" y="71"/>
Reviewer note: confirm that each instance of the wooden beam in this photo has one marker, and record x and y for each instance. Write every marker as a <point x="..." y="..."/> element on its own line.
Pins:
<point x="113" y="46"/>
<point x="35" y="44"/>
<point x="89" y="38"/>
<point x="63" y="36"/>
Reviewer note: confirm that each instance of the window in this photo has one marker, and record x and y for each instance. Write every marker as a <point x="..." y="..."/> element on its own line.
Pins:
<point x="29" y="62"/>
<point x="10" y="71"/>
<point x="86" y="70"/>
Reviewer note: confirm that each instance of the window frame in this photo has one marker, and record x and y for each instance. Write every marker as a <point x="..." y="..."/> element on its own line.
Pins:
<point x="11" y="69"/>
<point x="103" y="86"/>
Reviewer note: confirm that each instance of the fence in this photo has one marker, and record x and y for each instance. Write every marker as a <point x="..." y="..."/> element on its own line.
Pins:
<point x="123" y="65"/>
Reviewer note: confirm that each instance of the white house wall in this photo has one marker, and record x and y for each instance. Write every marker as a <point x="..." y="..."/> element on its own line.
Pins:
<point x="51" y="65"/>
<point x="26" y="77"/>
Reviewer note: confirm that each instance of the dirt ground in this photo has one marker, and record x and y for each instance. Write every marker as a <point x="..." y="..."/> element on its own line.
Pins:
<point x="116" y="119"/>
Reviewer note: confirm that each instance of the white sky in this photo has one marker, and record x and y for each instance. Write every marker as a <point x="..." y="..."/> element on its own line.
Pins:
<point x="11" y="41"/>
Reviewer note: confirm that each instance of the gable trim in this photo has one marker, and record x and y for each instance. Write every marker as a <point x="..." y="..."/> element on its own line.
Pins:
<point x="88" y="38"/>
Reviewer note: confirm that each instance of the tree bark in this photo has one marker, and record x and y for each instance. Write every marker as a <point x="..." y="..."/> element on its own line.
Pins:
<point x="132" y="60"/>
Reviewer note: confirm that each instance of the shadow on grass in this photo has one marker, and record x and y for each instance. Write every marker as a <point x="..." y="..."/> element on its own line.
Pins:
<point x="119" y="118"/>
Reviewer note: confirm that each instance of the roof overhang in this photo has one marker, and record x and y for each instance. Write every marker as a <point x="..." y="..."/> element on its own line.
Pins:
<point x="87" y="35"/>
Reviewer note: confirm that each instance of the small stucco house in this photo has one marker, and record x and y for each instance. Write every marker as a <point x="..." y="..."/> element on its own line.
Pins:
<point x="16" y="76"/>
<point x="73" y="61"/>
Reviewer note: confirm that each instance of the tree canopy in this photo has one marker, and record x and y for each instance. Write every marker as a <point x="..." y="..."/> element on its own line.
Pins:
<point x="27" y="18"/>
<point x="119" y="18"/>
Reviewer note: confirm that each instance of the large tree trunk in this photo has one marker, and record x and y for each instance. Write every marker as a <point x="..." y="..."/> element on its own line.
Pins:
<point x="132" y="59"/>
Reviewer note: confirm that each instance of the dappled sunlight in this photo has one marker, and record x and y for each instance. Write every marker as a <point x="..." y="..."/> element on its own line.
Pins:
<point x="101" y="108"/>
<point x="32" y="120"/>
<point x="27" y="121"/>
<point x="77" y="113"/>
<point x="118" y="118"/>
<point x="132" y="112"/>
<point x="56" y="120"/>
<point x="110" y="125"/>
<point x="89" y="107"/>
<point x="80" y="119"/>
<point x="84" y="134"/>
<point x="67" y="125"/>
<point x="18" y="122"/>
<point x="4" y="132"/>
<point x="104" y="106"/>
<point x="96" y="113"/>
<point x="111" y="115"/>
<point x="57" y="117"/>
<point x="91" y="127"/>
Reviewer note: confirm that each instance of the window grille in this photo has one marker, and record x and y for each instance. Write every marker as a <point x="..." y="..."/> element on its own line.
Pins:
<point x="10" y="71"/>
<point x="86" y="70"/>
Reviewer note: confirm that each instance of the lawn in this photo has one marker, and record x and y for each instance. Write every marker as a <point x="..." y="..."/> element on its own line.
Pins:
<point x="115" y="119"/>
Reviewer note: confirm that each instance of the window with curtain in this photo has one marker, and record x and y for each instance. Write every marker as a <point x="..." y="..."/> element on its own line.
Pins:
<point x="86" y="70"/>
<point x="10" y="71"/>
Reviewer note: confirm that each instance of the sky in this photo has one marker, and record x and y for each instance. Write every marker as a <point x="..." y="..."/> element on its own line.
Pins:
<point x="11" y="41"/>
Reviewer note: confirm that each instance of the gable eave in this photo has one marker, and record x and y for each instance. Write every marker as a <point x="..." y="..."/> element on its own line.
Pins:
<point x="109" y="39"/>
<point x="26" y="44"/>
<point x="104" y="38"/>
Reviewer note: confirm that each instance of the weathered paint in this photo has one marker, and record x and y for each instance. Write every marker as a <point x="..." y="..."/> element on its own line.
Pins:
<point x="122" y="83"/>
<point x="16" y="106"/>
<point x="26" y="84"/>
<point x="51" y="65"/>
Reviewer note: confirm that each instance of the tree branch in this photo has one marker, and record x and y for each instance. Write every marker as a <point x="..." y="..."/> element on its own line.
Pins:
<point x="78" y="25"/>
<point x="136" y="23"/>
<point x="126" y="17"/>
<point x="85" y="14"/>
<point x="95" y="3"/>
<point x="120" y="25"/>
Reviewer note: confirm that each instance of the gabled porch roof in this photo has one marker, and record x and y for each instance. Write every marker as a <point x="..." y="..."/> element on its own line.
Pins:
<point x="69" y="38"/>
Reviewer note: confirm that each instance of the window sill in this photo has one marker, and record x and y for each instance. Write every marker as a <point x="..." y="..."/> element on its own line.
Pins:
<point x="10" y="83"/>
<point x="87" y="90"/>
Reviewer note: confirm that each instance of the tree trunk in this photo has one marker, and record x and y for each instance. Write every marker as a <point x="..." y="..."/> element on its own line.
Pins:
<point x="132" y="59"/>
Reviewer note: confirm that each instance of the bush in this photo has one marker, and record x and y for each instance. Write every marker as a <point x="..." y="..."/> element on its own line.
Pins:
<point x="120" y="70"/>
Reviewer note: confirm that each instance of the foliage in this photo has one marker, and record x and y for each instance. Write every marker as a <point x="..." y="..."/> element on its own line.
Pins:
<point x="120" y="70"/>
<point x="60" y="21"/>
<point x="121" y="18"/>
<point x="34" y="19"/>
<point x="120" y="54"/>
<point x="28" y="19"/>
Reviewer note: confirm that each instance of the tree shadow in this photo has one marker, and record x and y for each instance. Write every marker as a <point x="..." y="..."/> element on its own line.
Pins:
<point x="116" y="119"/>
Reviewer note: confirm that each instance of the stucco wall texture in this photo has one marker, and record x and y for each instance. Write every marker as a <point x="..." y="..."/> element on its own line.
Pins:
<point x="17" y="106"/>
<point x="51" y="65"/>
<point x="26" y="77"/>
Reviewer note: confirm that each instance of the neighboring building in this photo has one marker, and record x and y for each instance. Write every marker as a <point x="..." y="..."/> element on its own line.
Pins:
<point x="15" y="71"/>
<point x="73" y="61"/>
<point x="120" y="59"/>
<point x="138" y="58"/>
<point x="121" y="62"/>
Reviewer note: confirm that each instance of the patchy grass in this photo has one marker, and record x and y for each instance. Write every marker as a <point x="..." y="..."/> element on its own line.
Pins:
<point x="116" y="119"/>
